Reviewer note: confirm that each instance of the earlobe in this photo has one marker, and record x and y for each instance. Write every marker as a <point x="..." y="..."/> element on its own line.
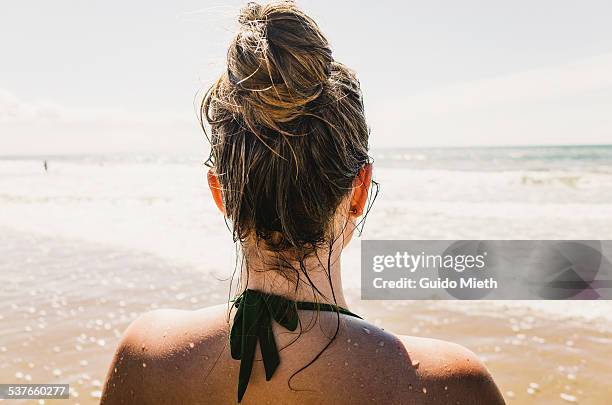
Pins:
<point x="215" y="190"/>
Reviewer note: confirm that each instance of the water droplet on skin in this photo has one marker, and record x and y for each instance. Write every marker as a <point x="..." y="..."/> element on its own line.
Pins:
<point x="424" y="390"/>
<point x="366" y="331"/>
<point x="191" y="345"/>
<point x="57" y="372"/>
<point x="410" y="387"/>
<point x="416" y="364"/>
<point x="143" y="348"/>
<point x="144" y="364"/>
<point x="446" y="388"/>
<point x="381" y="343"/>
<point x="346" y="363"/>
<point x="115" y="370"/>
<point x="348" y="340"/>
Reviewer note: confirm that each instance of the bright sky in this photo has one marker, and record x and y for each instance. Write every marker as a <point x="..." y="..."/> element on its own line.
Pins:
<point x="122" y="76"/>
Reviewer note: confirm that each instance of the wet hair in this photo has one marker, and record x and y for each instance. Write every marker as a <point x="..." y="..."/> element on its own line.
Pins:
<point x="288" y="136"/>
<point x="287" y="130"/>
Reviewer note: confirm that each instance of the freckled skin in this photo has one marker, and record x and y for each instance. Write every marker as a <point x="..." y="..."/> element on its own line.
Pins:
<point x="188" y="362"/>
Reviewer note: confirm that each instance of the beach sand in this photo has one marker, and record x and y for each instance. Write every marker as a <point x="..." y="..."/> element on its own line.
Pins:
<point x="64" y="305"/>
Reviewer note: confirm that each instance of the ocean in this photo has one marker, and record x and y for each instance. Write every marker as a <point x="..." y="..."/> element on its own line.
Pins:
<point x="93" y="241"/>
<point x="161" y="204"/>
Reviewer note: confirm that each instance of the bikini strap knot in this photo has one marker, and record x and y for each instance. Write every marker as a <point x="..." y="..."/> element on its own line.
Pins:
<point x="255" y="311"/>
<point x="253" y="323"/>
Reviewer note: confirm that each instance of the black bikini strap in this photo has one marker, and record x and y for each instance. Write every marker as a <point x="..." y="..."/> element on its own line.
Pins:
<point x="253" y="323"/>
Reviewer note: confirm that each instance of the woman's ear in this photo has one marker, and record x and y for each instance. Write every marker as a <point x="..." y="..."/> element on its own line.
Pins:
<point x="215" y="190"/>
<point x="361" y="186"/>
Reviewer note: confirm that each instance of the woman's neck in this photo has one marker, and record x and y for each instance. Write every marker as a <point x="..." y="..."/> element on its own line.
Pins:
<point x="318" y="280"/>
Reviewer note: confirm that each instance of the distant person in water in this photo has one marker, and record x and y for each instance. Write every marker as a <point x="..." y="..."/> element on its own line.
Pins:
<point x="290" y="171"/>
<point x="45" y="165"/>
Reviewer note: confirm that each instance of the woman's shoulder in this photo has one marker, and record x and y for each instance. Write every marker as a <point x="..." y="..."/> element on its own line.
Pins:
<point x="168" y="333"/>
<point x="424" y="370"/>
<point x="159" y="351"/>
<point x="162" y="328"/>
<point x="163" y="350"/>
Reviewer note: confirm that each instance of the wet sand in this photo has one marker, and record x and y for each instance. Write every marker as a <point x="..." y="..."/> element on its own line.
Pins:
<point x="63" y="308"/>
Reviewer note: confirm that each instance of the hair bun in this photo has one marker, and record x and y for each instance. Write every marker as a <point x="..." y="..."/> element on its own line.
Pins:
<point x="251" y="12"/>
<point x="282" y="193"/>
<point x="278" y="63"/>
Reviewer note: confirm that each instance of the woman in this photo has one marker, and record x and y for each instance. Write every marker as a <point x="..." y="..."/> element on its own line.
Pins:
<point x="289" y="170"/>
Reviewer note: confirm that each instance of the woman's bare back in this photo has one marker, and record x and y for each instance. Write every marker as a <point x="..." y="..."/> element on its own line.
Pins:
<point x="182" y="357"/>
